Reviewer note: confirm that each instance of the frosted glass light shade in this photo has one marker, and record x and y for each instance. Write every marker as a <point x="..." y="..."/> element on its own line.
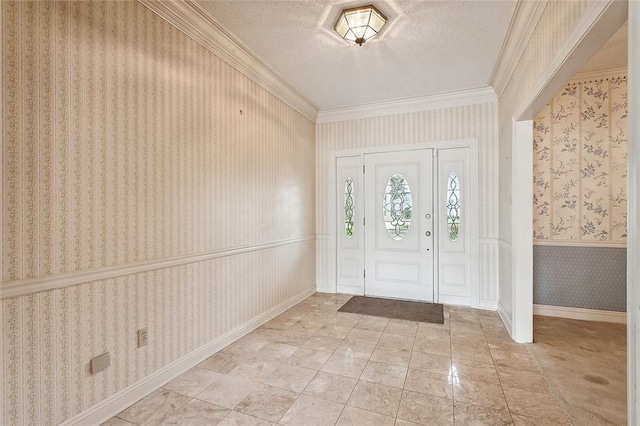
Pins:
<point x="360" y="24"/>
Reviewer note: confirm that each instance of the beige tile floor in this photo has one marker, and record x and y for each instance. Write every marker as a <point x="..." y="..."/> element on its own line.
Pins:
<point x="315" y="366"/>
<point x="585" y="364"/>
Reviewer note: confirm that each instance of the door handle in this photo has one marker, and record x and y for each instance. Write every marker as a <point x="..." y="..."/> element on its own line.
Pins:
<point x="427" y="233"/>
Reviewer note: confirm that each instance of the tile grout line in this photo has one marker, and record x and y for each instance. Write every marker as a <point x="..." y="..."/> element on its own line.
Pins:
<point x="453" y="399"/>
<point x="495" y="366"/>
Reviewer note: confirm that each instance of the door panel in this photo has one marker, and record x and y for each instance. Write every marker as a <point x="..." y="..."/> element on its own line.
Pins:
<point x="399" y="230"/>
<point x="350" y="234"/>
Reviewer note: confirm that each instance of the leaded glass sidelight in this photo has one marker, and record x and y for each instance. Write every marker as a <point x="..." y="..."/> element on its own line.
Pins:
<point x="453" y="206"/>
<point x="397" y="207"/>
<point x="349" y="208"/>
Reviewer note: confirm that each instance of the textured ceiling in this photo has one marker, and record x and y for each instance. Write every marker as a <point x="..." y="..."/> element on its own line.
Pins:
<point x="427" y="47"/>
<point x="613" y="54"/>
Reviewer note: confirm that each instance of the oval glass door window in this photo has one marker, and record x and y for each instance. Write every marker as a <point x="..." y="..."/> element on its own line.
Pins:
<point x="453" y="206"/>
<point x="397" y="207"/>
<point x="349" y="208"/>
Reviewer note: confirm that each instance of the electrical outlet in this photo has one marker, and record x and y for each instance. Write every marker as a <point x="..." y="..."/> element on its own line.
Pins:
<point x="142" y="337"/>
<point x="99" y="363"/>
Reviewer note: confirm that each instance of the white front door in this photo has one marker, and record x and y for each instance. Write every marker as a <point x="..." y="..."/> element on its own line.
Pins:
<point x="399" y="240"/>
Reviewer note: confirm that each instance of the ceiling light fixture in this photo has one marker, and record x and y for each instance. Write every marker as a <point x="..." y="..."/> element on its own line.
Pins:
<point x="360" y="24"/>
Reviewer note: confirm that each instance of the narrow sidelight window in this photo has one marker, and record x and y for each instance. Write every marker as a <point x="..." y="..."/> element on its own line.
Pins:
<point x="349" y="208"/>
<point x="453" y="206"/>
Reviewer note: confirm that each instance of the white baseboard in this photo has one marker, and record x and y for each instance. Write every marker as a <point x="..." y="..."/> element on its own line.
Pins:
<point x="350" y="289"/>
<point x="454" y="300"/>
<point x="117" y="402"/>
<point x="580" y="313"/>
<point x="489" y="305"/>
<point x="329" y="290"/>
<point x="506" y="319"/>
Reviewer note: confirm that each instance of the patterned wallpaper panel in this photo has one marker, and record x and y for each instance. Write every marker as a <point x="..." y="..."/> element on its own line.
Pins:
<point x="124" y="141"/>
<point x="580" y="153"/>
<point x="580" y="277"/>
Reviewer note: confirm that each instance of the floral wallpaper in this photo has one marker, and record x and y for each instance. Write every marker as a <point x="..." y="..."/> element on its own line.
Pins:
<point x="580" y="155"/>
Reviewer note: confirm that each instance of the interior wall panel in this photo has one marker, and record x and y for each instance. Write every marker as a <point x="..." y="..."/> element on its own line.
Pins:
<point x="123" y="141"/>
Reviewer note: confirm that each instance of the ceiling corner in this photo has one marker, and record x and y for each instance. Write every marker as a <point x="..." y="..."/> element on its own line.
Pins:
<point x="445" y="100"/>
<point x="524" y="20"/>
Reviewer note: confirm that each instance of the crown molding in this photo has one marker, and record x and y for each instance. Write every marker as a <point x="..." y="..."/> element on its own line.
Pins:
<point x="190" y="18"/>
<point x="523" y="22"/>
<point x="599" y="75"/>
<point x="408" y="105"/>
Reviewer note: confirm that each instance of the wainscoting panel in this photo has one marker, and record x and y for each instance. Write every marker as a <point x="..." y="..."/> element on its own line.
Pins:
<point x="580" y="277"/>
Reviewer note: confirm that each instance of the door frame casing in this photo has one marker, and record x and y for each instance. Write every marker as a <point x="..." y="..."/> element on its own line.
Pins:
<point x="330" y="177"/>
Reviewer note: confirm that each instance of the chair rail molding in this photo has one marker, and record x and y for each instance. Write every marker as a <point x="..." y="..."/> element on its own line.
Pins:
<point x="10" y="289"/>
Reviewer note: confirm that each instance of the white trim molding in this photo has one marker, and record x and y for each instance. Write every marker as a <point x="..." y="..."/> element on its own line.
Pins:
<point x="28" y="286"/>
<point x="592" y="244"/>
<point x="454" y="300"/>
<point x="190" y="18"/>
<point x="522" y="236"/>
<point x="633" y="217"/>
<point x="488" y="305"/>
<point x="506" y="319"/>
<point x="599" y="75"/>
<point x="525" y="17"/>
<point x="119" y="401"/>
<point x="580" y="313"/>
<point x="408" y="105"/>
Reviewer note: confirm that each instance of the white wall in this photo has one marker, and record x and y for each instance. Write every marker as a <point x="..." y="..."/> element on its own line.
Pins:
<point x="146" y="183"/>
<point x="461" y="122"/>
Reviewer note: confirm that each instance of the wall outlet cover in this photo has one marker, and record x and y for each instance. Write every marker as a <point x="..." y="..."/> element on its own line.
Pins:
<point x="142" y="337"/>
<point x="101" y="362"/>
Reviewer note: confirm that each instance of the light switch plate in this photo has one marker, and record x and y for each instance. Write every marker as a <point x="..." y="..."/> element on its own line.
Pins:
<point x="101" y="362"/>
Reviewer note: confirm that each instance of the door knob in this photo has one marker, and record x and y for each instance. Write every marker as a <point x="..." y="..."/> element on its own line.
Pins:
<point x="427" y="233"/>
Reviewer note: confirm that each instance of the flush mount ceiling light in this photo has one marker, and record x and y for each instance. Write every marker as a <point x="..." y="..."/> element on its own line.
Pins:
<point x="360" y="24"/>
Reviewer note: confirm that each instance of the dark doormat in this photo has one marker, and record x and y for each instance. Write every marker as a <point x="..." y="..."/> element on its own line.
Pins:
<point x="398" y="309"/>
